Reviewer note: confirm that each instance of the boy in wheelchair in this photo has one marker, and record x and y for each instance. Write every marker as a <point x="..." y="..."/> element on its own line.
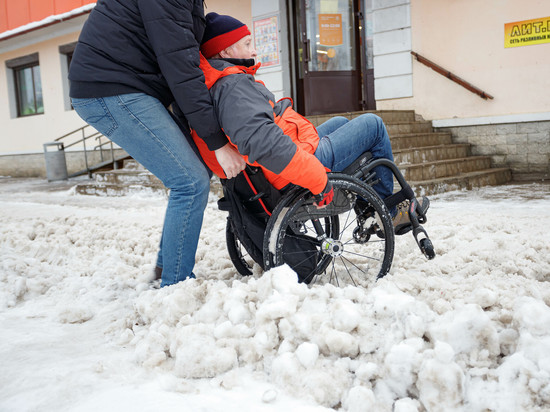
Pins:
<point x="272" y="136"/>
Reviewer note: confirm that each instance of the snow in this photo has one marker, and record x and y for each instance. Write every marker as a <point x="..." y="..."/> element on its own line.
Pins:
<point x="83" y="329"/>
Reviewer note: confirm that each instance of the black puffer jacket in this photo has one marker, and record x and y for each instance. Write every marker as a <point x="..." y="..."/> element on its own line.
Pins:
<point x="149" y="46"/>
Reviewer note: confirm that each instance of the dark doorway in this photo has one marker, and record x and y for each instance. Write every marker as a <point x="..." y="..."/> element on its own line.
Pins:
<point x="331" y="74"/>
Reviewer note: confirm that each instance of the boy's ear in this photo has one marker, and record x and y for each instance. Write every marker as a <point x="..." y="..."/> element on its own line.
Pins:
<point x="224" y="54"/>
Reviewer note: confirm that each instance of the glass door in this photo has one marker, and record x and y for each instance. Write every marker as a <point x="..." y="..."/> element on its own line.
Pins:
<point x="329" y="57"/>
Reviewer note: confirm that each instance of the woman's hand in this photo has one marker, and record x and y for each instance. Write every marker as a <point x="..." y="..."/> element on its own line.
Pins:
<point x="230" y="160"/>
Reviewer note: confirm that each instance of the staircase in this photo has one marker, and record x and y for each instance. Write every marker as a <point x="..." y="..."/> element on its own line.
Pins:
<point x="132" y="178"/>
<point x="429" y="160"/>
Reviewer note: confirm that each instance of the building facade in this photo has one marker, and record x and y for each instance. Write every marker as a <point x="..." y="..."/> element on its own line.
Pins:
<point x="487" y="81"/>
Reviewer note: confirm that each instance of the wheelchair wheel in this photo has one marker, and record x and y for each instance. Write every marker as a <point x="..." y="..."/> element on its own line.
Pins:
<point x="349" y="242"/>
<point x="242" y="261"/>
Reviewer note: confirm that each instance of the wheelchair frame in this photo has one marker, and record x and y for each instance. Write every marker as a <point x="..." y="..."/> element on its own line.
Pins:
<point x="295" y="215"/>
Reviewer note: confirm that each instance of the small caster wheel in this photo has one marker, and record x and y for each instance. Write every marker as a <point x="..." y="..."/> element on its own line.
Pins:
<point x="360" y="235"/>
<point x="427" y="248"/>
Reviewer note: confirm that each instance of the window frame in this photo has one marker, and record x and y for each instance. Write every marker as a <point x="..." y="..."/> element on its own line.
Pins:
<point x="16" y="66"/>
<point x="66" y="52"/>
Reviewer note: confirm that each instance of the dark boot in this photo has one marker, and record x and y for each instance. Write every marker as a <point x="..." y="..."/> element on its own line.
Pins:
<point x="158" y="273"/>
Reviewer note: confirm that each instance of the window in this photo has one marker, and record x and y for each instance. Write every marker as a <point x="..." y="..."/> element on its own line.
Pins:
<point x="66" y="52"/>
<point x="28" y="85"/>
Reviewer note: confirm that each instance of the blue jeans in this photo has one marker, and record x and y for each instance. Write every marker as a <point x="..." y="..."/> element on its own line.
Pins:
<point x="143" y="127"/>
<point x="342" y="141"/>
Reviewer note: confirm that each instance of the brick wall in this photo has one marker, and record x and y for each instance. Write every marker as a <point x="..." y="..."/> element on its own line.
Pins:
<point x="523" y="147"/>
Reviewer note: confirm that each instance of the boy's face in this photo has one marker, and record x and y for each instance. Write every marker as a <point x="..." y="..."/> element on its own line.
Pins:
<point x="243" y="49"/>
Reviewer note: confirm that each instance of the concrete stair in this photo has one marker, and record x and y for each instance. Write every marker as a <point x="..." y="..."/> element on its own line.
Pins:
<point x="430" y="161"/>
<point x="132" y="178"/>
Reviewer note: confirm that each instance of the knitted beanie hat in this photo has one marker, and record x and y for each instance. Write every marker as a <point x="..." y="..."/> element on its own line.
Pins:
<point x="220" y="33"/>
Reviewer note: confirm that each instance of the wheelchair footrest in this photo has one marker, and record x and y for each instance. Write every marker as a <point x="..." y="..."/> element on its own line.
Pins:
<point x="424" y="242"/>
<point x="417" y="215"/>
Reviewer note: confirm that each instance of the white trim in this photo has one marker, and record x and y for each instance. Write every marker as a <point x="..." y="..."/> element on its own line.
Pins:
<point x="478" y="121"/>
<point x="34" y="152"/>
<point x="21" y="153"/>
<point x="79" y="149"/>
<point x="48" y="20"/>
<point x="43" y="34"/>
<point x="392" y="61"/>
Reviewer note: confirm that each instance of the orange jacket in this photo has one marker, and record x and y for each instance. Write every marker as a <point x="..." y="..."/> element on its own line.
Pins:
<point x="268" y="134"/>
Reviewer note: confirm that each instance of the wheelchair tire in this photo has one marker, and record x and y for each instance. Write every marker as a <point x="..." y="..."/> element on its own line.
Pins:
<point x="238" y="254"/>
<point x="353" y="237"/>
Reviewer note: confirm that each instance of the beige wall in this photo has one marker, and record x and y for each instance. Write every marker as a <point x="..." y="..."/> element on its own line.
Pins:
<point x="28" y="134"/>
<point x="240" y="9"/>
<point x="466" y="37"/>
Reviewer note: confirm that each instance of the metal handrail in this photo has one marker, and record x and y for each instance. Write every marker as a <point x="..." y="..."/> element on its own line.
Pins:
<point x="98" y="146"/>
<point x="452" y="76"/>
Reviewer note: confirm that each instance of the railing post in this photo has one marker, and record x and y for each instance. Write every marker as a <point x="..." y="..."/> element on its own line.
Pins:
<point x="85" y="153"/>
<point x="97" y="137"/>
<point x="100" y="148"/>
<point x="115" y="164"/>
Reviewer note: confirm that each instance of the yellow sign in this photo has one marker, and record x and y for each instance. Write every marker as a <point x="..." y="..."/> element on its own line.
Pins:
<point x="527" y="32"/>
<point x="330" y="29"/>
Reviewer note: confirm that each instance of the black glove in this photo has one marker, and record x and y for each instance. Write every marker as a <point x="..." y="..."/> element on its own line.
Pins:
<point x="325" y="197"/>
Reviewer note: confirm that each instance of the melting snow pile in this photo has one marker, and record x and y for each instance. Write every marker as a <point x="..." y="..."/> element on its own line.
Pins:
<point x="468" y="331"/>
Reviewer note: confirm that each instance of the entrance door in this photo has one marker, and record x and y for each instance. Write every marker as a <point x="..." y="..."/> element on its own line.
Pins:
<point x="329" y="58"/>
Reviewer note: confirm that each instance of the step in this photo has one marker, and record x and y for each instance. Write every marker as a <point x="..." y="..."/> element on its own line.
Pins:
<point x="415" y="140"/>
<point x="409" y="128"/>
<point x="101" y="165"/>
<point x="122" y="189"/>
<point x="111" y="189"/>
<point x="444" y="168"/>
<point x="388" y="116"/>
<point x="127" y="176"/>
<point x="430" y="153"/>
<point x="464" y="181"/>
<point x="132" y="164"/>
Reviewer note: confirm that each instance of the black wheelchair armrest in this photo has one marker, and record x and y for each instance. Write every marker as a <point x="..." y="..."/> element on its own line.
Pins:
<point x="358" y="163"/>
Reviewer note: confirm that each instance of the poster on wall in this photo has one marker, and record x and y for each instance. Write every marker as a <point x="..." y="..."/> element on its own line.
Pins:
<point x="330" y="29"/>
<point x="266" y="41"/>
<point x="527" y="32"/>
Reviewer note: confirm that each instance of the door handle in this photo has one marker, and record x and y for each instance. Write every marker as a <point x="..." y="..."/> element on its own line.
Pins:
<point x="307" y="57"/>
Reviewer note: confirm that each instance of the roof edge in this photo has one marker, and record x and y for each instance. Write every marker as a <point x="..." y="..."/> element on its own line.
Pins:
<point x="48" y="21"/>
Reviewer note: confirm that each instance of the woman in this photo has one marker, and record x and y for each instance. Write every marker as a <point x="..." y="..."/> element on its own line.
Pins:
<point x="133" y="59"/>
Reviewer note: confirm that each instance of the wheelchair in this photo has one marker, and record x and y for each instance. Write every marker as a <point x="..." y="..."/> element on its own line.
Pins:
<point x="349" y="242"/>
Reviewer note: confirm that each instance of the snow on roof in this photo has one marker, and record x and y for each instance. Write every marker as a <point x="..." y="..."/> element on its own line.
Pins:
<point x="48" y="21"/>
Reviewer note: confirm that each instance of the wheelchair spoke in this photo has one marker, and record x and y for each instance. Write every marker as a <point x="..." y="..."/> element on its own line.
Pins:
<point x="354" y="265"/>
<point x="343" y="247"/>
<point x="347" y="225"/>
<point x="362" y="255"/>
<point x="333" y="276"/>
<point x="347" y="270"/>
